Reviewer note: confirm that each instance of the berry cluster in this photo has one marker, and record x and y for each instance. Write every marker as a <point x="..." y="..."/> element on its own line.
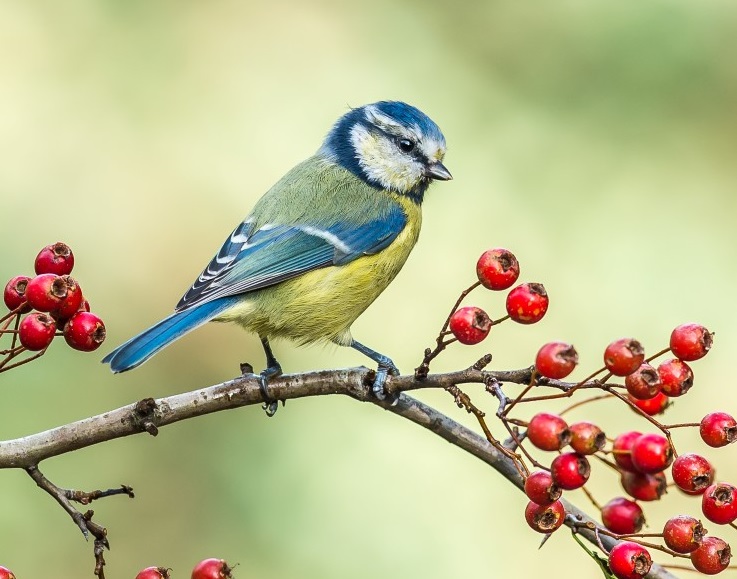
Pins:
<point x="205" y="569"/>
<point x="48" y="305"/>
<point x="640" y="460"/>
<point x="498" y="269"/>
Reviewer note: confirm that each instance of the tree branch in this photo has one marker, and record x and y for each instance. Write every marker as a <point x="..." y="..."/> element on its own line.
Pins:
<point x="149" y="415"/>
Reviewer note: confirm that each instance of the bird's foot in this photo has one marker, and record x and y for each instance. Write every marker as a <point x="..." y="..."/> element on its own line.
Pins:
<point x="270" y="406"/>
<point x="386" y="368"/>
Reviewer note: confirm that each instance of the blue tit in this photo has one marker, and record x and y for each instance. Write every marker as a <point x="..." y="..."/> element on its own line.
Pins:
<point x="320" y="245"/>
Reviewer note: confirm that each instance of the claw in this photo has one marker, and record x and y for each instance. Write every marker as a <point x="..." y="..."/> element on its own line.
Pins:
<point x="385" y="369"/>
<point x="270" y="406"/>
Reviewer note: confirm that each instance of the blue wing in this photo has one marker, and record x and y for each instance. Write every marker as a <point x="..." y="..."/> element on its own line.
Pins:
<point x="254" y="259"/>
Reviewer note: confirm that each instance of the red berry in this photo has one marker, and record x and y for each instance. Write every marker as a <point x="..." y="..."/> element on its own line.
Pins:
<point x="690" y="342"/>
<point x="676" y="377"/>
<point x="6" y="573"/>
<point x="628" y="560"/>
<point x="719" y="503"/>
<point x="652" y="453"/>
<point x="624" y="356"/>
<point x="211" y="569"/>
<point x="622" y="516"/>
<point x="71" y="303"/>
<point x="692" y="473"/>
<point x="556" y="360"/>
<point x="718" y="429"/>
<point x="622" y="450"/>
<point x="540" y="488"/>
<point x="153" y="573"/>
<point x="84" y="331"/>
<point x="36" y="331"/>
<point x="527" y="303"/>
<point x="644" y="487"/>
<point x="643" y="383"/>
<point x="586" y="437"/>
<point x="548" y="431"/>
<point x="497" y="269"/>
<point x="470" y="325"/>
<point x="544" y="518"/>
<point x="45" y="292"/>
<point x="655" y="405"/>
<point x="56" y="258"/>
<point x="712" y="556"/>
<point x="15" y="293"/>
<point x="683" y="534"/>
<point x="570" y="470"/>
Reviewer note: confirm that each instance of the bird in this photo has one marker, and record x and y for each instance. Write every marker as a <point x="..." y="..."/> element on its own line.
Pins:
<point x="319" y="246"/>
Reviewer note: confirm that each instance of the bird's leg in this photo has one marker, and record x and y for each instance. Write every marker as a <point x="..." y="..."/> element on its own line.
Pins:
<point x="386" y="367"/>
<point x="273" y="369"/>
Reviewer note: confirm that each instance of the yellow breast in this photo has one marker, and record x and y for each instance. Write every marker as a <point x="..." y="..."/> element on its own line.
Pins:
<point x="322" y="304"/>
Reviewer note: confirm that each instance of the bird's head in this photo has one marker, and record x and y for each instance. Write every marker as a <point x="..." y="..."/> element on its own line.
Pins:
<point x="390" y="145"/>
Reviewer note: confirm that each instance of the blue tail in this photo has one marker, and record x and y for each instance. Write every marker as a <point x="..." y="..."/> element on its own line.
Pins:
<point x="141" y="347"/>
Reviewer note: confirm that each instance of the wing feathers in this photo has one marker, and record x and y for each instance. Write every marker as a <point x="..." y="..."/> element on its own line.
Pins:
<point x="251" y="260"/>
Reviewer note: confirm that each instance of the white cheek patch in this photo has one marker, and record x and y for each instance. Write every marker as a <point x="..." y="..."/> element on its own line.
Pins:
<point x="381" y="161"/>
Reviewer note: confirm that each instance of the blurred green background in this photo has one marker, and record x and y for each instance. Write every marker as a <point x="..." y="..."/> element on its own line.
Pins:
<point x="596" y="140"/>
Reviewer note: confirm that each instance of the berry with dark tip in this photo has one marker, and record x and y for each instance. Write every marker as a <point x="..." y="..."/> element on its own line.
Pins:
<point x="57" y="258"/>
<point x="540" y="488"/>
<point x="36" y="331"/>
<point x="719" y="503"/>
<point x="45" y="292"/>
<point x="718" y="429"/>
<point x="548" y="431"/>
<point x="71" y="303"/>
<point x="14" y="295"/>
<point x="211" y="569"/>
<point x="556" y="360"/>
<point x="692" y="473"/>
<point x="544" y="518"/>
<point x="497" y="269"/>
<point x="628" y="560"/>
<point x="527" y="303"/>
<point x="712" y="556"/>
<point x="690" y="342"/>
<point x="643" y="383"/>
<point x="624" y="356"/>
<point x="84" y="331"/>
<point x="676" y="378"/>
<point x="570" y="470"/>
<point x="683" y="534"/>
<point x="586" y="437"/>
<point x="470" y="325"/>
<point x="622" y="516"/>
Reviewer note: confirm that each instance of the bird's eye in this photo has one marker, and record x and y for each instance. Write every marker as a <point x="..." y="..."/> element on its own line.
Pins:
<point x="406" y="145"/>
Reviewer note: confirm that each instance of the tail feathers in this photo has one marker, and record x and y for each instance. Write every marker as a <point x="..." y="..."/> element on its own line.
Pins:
<point x="141" y="347"/>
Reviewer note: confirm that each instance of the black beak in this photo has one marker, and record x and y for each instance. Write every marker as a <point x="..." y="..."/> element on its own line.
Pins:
<point x="438" y="171"/>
